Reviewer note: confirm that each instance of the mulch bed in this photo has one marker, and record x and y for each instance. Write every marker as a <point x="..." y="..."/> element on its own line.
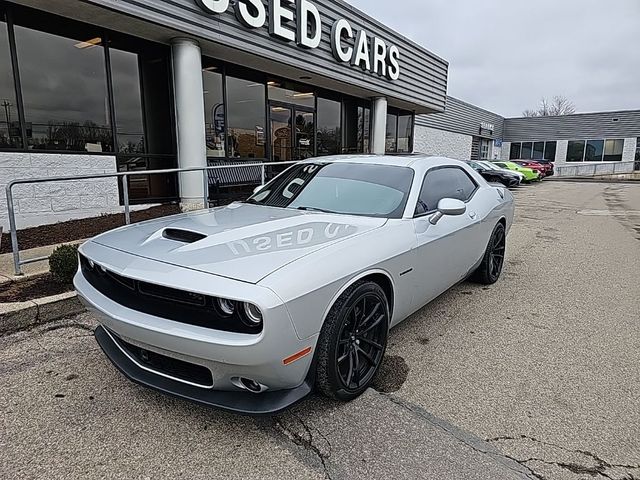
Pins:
<point x="36" y="287"/>
<point x="78" y="229"/>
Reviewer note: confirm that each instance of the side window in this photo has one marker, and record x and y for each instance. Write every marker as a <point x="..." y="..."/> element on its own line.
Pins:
<point x="448" y="182"/>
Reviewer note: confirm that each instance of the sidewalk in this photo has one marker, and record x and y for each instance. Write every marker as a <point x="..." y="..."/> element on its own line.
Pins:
<point x="7" y="271"/>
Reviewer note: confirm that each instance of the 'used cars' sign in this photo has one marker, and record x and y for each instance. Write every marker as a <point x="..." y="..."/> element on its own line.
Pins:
<point x="299" y="21"/>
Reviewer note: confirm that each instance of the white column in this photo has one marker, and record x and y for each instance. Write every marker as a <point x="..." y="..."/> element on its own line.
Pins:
<point x="189" y="107"/>
<point x="378" y="125"/>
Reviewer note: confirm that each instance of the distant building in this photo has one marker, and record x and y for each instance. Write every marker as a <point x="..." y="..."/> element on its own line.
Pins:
<point x="579" y="144"/>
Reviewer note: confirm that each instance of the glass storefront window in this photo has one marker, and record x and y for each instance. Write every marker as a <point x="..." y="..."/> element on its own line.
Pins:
<point x="291" y="93"/>
<point x="392" y="133"/>
<point x="305" y="134"/>
<point x="329" y="132"/>
<point x="10" y="133"/>
<point x="527" y="151"/>
<point x="351" y="125"/>
<point x="613" y="150"/>
<point x="550" y="151"/>
<point x="594" y="150"/>
<point x="575" y="151"/>
<point x="214" y="115"/>
<point x="405" y="131"/>
<point x="64" y="91"/>
<point x="127" y="101"/>
<point x="364" y="131"/>
<point x="538" y="150"/>
<point x="514" y="153"/>
<point x="246" y="118"/>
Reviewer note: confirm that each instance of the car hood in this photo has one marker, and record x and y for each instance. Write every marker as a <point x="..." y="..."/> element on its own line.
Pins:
<point x="241" y="241"/>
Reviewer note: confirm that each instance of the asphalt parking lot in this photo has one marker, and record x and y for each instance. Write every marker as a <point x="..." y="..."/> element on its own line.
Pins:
<point x="535" y="377"/>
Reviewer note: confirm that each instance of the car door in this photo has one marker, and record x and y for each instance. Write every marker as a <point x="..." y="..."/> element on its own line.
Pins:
<point x="445" y="252"/>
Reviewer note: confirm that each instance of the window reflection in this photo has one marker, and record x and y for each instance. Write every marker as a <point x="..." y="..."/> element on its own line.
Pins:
<point x="405" y="132"/>
<point x="527" y="151"/>
<point x="329" y="132"/>
<point x="246" y="118"/>
<point x="364" y="129"/>
<point x="214" y="111"/>
<point x="291" y="93"/>
<point x="281" y="134"/>
<point x="514" y="153"/>
<point x="392" y="133"/>
<point x="127" y="101"/>
<point x="10" y="134"/>
<point x="538" y="150"/>
<point x="64" y="90"/>
<point x="613" y="150"/>
<point x="305" y="134"/>
<point x="575" y="151"/>
<point x="550" y="151"/>
<point x="594" y="150"/>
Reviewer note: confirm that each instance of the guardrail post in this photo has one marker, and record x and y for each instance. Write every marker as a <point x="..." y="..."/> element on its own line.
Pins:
<point x="205" y="189"/>
<point x="14" y="232"/>
<point x="125" y="195"/>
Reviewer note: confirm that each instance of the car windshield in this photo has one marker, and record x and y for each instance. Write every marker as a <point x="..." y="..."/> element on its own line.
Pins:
<point x="476" y="165"/>
<point x="346" y="188"/>
<point x="490" y="166"/>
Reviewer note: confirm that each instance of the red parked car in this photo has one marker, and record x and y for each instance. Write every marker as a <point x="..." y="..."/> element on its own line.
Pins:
<point x="544" y="168"/>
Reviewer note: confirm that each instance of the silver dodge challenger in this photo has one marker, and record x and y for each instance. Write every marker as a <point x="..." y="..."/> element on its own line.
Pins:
<point x="251" y="306"/>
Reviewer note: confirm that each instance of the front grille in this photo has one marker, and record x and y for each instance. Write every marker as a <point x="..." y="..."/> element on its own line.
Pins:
<point x="164" y="302"/>
<point x="186" y="371"/>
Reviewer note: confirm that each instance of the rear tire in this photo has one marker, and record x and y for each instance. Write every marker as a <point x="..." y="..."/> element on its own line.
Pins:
<point x="490" y="269"/>
<point x="353" y="341"/>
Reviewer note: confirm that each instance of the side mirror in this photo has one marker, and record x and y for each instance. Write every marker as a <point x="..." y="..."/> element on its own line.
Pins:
<point x="448" y="206"/>
<point x="257" y="189"/>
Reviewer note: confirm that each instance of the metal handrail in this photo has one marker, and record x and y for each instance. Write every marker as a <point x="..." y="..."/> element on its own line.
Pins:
<point x="122" y="176"/>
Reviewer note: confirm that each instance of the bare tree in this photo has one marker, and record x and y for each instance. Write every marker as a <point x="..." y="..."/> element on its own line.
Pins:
<point x="559" y="105"/>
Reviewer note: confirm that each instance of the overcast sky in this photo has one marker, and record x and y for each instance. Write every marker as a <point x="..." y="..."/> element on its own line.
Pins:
<point x="504" y="55"/>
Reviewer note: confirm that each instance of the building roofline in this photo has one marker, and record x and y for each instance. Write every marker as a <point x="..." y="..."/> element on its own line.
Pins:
<point x="475" y="106"/>
<point x="631" y="110"/>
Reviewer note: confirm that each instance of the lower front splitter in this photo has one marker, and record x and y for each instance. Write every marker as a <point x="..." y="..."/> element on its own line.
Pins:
<point x="245" y="403"/>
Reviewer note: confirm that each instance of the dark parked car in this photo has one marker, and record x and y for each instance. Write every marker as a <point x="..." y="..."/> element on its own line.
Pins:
<point x="506" y="178"/>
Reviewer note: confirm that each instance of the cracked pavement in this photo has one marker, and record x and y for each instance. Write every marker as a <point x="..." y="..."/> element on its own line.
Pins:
<point x="535" y="377"/>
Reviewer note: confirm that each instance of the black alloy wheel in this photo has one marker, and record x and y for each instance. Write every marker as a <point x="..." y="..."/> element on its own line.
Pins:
<point x="353" y="342"/>
<point x="490" y="268"/>
<point x="496" y="257"/>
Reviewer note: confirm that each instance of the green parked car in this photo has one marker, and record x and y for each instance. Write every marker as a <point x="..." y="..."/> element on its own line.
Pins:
<point x="530" y="175"/>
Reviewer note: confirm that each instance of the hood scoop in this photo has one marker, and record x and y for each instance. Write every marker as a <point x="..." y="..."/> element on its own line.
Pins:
<point x="184" y="236"/>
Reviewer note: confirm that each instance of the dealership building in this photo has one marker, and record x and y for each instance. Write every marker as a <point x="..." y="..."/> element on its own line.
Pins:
<point x="103" y="86"/>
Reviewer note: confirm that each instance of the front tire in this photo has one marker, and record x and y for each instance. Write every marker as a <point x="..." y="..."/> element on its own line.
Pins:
<point x="353" y="341"/>
<point x="490" y="269"/>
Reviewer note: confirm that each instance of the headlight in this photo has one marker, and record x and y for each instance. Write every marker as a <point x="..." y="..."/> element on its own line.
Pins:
<point x="227" y="307"/>
<point x="252" y="314"/>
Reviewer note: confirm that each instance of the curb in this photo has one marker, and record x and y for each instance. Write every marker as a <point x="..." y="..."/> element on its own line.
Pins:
<point x="22" y="315"/>
<point x="594" y="180"/>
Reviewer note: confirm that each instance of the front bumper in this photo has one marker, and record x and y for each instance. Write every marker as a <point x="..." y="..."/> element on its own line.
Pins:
<point x="267" y="403"/>
<point x="227" y="357"/>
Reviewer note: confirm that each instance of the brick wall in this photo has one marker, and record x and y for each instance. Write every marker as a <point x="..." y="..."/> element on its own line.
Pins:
<point x="629" y="150"/>
<point x="45" y="203"/>
<point x="436" y="142"/>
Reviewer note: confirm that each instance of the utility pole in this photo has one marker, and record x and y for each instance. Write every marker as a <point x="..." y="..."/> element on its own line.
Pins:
<point x="6" y="104"/>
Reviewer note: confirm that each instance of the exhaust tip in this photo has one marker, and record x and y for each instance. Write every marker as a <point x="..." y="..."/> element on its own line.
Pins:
<point x="249" y="384"/>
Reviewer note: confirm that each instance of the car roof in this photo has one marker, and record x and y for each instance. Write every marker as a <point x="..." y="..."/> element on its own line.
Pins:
<point x="416" y="161"/>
